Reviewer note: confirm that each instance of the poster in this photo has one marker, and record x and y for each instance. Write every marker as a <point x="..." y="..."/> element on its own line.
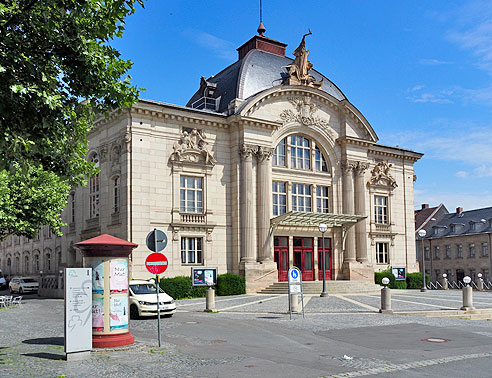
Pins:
<point x="119" y="313"/>
<point x="98" y="314"/>
<point x="209" y="277"/>
<point x="97" y="276"/>
<point x="118" y="282"/>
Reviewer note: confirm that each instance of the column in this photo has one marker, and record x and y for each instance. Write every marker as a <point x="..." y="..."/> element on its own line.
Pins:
<point x="360" y="209"/>
<point x="264" y="197"/>
<point x="348" y="208"/>
<point x="246" y="206"/>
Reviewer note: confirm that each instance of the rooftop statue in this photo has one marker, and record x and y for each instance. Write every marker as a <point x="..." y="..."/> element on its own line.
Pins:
<point x="298" y="70"/>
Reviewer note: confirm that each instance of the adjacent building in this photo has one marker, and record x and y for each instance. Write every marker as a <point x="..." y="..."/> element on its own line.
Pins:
<point x="241" y="177"/>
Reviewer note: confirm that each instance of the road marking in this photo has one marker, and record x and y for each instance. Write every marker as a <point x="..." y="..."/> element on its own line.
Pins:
<point x="249" y="303"/>
<point x="475" y="300"/>
<point x="356" y="302"/>
<point x="419" y="303"/>
<point x="389" y="368"/>
<point x="201" y="300"/>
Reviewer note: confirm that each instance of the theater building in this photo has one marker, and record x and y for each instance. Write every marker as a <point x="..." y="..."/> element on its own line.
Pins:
<point x="241" y="177"/>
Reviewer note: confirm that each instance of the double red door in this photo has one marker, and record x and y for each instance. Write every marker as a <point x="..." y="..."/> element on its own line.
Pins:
<point x="281" y="256"/>
<point x="304" y="257"/>
<point x="328" y="259"/>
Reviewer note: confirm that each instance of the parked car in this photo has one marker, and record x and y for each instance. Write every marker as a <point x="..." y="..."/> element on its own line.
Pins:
<point x="23" y="285"/>
<point x="3" y="282"/>
<point x="143" y="300"/>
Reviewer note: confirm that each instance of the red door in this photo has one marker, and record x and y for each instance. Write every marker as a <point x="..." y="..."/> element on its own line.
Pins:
<point x="328" y="259"/>
<point x="304" y="257"/>
<point x="281" y="255"/>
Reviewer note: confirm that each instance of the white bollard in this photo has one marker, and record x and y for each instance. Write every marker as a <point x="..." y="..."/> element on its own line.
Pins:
<point x="294" y="303"/>
<point x="210" y="300"/>
<point x="386" y="301"/>
<point x="467" y="295"/>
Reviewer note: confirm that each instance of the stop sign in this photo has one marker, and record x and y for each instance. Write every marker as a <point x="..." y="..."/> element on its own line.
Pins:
<point x="156" y="263"/>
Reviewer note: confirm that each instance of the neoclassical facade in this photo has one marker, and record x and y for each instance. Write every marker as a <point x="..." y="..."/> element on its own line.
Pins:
<point x="241" y="177"/>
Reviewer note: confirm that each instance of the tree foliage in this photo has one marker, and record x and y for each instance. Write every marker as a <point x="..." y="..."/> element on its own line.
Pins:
<point x="57" y="71"/>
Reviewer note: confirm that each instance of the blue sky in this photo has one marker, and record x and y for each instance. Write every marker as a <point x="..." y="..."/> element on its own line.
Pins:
<point x="420" y="71"/>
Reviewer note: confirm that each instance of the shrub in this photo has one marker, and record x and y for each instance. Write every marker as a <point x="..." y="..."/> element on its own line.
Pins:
<point x="414" y="280"/>
<point x="231" y="284"/>
<point x="400" y="285"/>
<point x="177" y="287"/>
<point x="378" y="277"/>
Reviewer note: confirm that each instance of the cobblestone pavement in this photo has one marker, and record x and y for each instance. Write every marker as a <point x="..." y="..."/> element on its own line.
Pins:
<point x="252" y="336"/>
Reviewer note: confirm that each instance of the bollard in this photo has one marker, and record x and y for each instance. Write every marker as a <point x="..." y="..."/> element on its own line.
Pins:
<point x="210" y="300"/>
<point x="294" y="303"/>
<point x="386" y="301"/>
<point x="467" y="299"/>
<point x="445" y="284"/>
<point x="480" y="284"/>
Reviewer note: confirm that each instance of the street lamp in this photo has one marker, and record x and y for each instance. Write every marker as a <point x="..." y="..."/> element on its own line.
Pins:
<point x="322" y="228"/>
<point x="422" y="234"/>
<point x="467" y="280"/>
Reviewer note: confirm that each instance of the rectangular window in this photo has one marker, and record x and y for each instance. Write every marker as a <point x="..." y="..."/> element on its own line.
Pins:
<point x="191" y="251"/>
<point x="94" y="197"/>
<point x="300" y="152"/>
<point x="459" y="251"/>
<point x="116" y="195"/>
<point x="381" y="209"/>
<point x="301" y="197"/>
<point x="437" y="253"/>
<point x="427" y="253"/>
<point x="279" y="193"/>
<point x="382" y="253"/>
<point x="72" y="208"/>
<point x="486" y="277"/>
<point x="448" y="252"/>
<point x="191" y="194"/>
<point x="471" y="248"/>
<point x="322" y="204"/>
<point x="485" y="249"/>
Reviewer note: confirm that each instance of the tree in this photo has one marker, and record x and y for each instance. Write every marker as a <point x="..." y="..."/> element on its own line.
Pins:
<point x="57" y="71"/>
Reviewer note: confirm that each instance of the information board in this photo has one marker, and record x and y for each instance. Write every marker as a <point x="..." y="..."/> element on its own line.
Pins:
<point x="399" y="273"/>
<point x="78" y="309"/>
<point x="204" y="276"/>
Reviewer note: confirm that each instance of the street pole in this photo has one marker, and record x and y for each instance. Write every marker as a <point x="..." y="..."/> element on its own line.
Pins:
<point x="157" y="292"/>
<point x="422" y="234"/>
<point x="322" y="227"/>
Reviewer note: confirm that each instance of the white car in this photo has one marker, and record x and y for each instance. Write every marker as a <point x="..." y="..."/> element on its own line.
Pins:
<point x="23" y="285"/>
<point x="143" y="300"/>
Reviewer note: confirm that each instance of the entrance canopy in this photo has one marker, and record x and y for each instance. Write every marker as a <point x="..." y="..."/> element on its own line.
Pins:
<point x="308" y="219"/>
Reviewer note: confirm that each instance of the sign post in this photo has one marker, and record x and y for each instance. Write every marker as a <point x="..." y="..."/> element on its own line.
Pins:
<point x="157" y="263"/>
<point x="295" y="288"/>
<point x="78" y="313"/>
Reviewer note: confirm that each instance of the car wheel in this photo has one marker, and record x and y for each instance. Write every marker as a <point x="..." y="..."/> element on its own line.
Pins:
<point x="11" y="290"/>
<point x="134" y="312"/>
<point x="168" y="315"/>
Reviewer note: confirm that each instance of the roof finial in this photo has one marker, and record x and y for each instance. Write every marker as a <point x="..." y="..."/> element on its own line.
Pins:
<point x="261" y="29"/>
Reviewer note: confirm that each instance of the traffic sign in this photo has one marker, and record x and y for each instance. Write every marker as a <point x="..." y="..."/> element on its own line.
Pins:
<point x="156" y="263"/>
<point x="156" y="240"/>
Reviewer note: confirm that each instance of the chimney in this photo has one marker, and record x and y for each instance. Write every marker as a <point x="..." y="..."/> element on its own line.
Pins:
<point x="459" y="210"/>
<point x="260" y="42"/>
<point x="425" y="206"/>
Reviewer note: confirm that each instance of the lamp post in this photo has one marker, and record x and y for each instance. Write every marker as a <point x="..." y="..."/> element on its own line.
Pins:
<point x="322" y="228"/>
<point x="422" y="234"/>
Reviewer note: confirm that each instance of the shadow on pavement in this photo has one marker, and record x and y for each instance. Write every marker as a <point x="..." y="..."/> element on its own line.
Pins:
<point x="45" y="341"/>
<point x="48" y="356"/>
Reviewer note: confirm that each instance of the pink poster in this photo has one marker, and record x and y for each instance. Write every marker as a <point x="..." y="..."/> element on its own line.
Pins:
<point x="118" y="282"/>
<point x="98" y="314"/>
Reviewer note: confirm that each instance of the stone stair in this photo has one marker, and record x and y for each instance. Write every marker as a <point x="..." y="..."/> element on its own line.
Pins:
<point x="477" y="314"/>
<point x="332" y="287"/>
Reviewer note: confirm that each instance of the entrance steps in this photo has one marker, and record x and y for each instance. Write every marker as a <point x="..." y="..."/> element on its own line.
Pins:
<point x="332" y="287"/>
<point x="477" y="314"/>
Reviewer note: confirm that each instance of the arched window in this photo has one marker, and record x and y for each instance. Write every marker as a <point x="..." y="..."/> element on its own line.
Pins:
<point x="300" y="152"/>
<point x="296" y="151"/>
<point x="17" y="264"/>
<point x="35" y="263"/>
<point x="9" y="265"/>
<point x="116" y="194"/>
<point x="47" y="264"/>
<point x="94" y="190"/>
<point x="26" y="264"/>
<point x="280" y="154"/>
<point x="320" y="162"/>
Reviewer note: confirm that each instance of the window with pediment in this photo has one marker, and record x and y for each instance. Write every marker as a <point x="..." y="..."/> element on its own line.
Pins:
<point x="94" y="185"/>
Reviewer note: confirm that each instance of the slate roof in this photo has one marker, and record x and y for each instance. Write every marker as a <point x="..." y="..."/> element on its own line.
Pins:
<point x="463" y="223"/>
<point x="257" y="71"/>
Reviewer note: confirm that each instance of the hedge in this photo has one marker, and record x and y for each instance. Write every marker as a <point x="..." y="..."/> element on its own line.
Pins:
<point x="414" y="280"/>
<point x="393" y="284"/>
<point x="180" y="287"/>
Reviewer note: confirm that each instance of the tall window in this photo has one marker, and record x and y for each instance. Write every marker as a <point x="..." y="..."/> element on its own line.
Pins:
<point x="280" y="154"/>
<point x="437" y="252"/>
<point x="301" y="197"/>
<point x="279" y="192"/>
<point x="427" y="253"/>
<point x="459" y="251"/>
<point x="382" y="253"/>
<point x="320" y="162"/>
<point x="191" y="251"/>
<point x="26" y="264"/>
<point x="191" y="194"/>
<point x="471" y="249"/>
<point x="485" y="249"/>
<point x="116" y="194"/>
<point x="94" y="190"/>
<point x="72" y="208"/>
<point x="300" y="152"/>
<point x="381" y="209"/>
<point x="448" y="252"/>
<point x="35" y="263"/>
<point x="47" y="265"/>
<point x="322" y="199"/>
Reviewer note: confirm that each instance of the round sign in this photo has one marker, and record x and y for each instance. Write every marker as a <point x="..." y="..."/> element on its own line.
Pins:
<point x="156" y="240"/>
<point x="156" y="263"/>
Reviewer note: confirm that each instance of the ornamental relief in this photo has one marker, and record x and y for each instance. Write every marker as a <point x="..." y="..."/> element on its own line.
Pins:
<point x="192" y="147"/>
<point x="380" y="175"/>
<point x="304" y="114"/>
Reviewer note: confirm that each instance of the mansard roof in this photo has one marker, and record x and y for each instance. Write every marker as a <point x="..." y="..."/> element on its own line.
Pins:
<point x="463" y="223"/>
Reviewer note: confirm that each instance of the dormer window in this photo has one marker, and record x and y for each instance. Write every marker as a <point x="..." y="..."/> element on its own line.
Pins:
<point x="452" y="228"/>
<point x="207" y="99"/>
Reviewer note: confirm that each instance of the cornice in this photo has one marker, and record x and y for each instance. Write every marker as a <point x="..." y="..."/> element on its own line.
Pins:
<point x="346" y="140"/>
<point x="254" y="122"/>
<point x="393" y="152"/>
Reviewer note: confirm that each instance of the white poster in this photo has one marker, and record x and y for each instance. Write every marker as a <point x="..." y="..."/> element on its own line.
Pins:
<point x="118" y="313"/>
<point x="118" y="282"/>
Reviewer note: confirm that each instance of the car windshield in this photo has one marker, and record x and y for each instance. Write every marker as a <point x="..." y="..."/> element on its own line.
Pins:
<point x="144" y="289"/>
<point x="28" y="280"/>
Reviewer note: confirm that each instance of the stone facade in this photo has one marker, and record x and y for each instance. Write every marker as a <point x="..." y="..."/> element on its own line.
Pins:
<point x="213" y="181"/>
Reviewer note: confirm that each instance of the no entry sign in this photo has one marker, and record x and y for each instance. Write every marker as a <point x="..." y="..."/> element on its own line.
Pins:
<point x="156" y="263"/>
